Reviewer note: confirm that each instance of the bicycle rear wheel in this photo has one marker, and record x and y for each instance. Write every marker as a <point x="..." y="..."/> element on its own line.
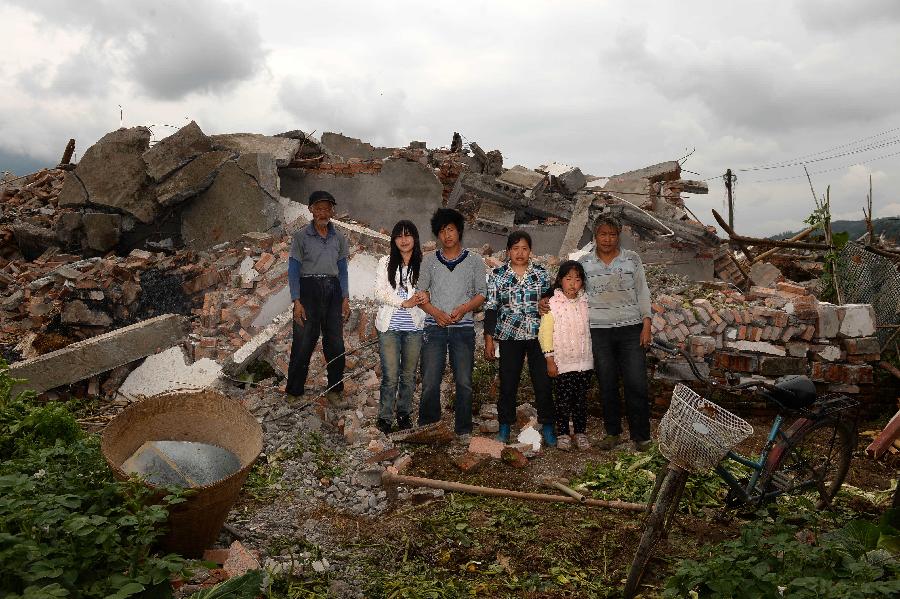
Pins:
<point x="814" y="459"/>
<point x="661" y="512"/>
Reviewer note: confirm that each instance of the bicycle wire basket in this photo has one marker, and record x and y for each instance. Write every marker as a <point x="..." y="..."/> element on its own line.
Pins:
<point x="695" y="434"/>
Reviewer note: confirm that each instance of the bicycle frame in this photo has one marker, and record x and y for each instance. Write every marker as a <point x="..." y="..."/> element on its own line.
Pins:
<point x="757" y="465"/>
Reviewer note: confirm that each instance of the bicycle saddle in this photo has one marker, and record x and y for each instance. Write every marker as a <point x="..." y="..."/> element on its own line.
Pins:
<point x="794" y="391"/>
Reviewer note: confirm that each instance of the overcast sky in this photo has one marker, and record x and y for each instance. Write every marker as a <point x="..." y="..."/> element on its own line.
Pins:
<point x="607" y="86"/>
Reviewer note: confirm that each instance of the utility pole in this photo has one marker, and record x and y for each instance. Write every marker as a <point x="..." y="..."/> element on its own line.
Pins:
<point x="728" y="180"/>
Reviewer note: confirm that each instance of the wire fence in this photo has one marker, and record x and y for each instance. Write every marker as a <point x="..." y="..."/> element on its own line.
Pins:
<point x="867" y="278"/>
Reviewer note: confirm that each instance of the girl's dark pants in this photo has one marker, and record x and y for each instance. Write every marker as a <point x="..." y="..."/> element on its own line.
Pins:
<point x="618" y="353"/>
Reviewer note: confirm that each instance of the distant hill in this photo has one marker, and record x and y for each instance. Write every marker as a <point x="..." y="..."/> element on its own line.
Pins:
<point x="890" y="226"/>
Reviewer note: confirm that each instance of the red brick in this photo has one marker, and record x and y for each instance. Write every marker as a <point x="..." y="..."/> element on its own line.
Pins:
<point x="487" y="446"/>
<point x="742" y="333"/>
<point x="264" y="263"/>
<point x="791" y="288"/>
<point x="240" y="560"/>
<point x="808" y="333"/>
<point x="471" y="463"/>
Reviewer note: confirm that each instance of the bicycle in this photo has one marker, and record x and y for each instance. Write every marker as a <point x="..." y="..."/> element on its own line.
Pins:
<point x="696" y="435"/>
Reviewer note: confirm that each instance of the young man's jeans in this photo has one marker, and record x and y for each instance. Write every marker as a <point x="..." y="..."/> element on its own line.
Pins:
<point x="321" y="298"/>
<point x="399" y="360"/>
<point x="618" y="351"/>
<point x="460" y="341"/>
<point x="512" y="359"/>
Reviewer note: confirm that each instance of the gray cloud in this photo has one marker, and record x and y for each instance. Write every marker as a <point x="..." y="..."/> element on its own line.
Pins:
<point x="841" y="16"/>
<point x="359" y="108"/>
<point x="19" y="164"/>
<point x="169" y="49"/>
<point x="764" y="85"/>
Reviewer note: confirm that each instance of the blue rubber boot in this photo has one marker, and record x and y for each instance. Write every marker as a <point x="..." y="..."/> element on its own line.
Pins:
<point x="503" y="433"/>
<point x="549" y="435"/>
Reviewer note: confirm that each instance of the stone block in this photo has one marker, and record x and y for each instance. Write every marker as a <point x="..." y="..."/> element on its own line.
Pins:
<point x="828" y="323"/>
<point x="791" y="288"/>
<point x="858" y="320"/>
<point x="175" y="151"/>
<point x="240" y="560"/>
<point x="782" y="365"/>
<point x="701" y="345"/>
<point x="77" y="313"/>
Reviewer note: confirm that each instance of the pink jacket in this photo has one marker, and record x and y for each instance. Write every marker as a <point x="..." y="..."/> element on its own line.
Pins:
<point x="571" y="333"/>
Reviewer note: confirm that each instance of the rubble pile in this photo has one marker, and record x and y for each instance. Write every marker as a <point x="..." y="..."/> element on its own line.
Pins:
<point x="770" y="332"/>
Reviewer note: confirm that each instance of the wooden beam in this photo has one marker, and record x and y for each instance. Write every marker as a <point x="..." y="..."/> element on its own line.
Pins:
<point x="725" y="227"/>
<point x="801" y="245"/>
<point x="798" y="237"/>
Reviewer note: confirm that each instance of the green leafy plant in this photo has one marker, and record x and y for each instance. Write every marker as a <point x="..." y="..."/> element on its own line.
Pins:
<point x="67" y="528"/>
<point x="241" y="587"/>
<point x="776" y="559"/>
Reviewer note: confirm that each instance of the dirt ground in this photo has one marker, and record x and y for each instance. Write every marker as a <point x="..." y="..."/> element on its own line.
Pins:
<point x="465" y="545"/>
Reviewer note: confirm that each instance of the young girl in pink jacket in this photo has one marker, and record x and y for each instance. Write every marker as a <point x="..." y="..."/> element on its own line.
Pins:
<point x="565" y="339"/>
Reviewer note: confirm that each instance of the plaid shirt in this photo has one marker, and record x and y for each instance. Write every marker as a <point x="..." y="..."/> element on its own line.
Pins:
<point x="516" y="301"/>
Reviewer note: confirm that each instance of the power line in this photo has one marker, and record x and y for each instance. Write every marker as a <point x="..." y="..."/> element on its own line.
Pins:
<point x="838" y="147"/>
<point x="828" y="170"/>
<point x="822" y="159"/>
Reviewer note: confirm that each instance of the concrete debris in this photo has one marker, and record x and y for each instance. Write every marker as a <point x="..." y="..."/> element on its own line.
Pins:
<point x="169" y="371"/>
<point x="282" y="149"/>
<point x="175" y="151"/>
<point x="98" y="354"/>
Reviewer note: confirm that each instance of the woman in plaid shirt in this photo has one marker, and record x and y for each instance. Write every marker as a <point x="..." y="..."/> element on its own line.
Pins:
<point x="511" y="317"/>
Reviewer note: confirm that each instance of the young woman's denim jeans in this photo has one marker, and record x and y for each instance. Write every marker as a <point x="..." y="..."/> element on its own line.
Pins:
<point x="399" y="359"/>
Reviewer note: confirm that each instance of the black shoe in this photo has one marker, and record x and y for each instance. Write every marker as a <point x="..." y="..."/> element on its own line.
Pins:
<point x="384" y="426"/>
<point x="404" y="422"/>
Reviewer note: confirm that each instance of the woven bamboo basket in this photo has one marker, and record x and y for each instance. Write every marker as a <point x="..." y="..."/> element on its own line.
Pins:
<point x="201" y="416"/>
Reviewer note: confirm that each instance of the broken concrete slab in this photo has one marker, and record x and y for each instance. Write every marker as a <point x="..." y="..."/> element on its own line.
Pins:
<point x="339" y="144"/>
<point x="828" y="323"/>
<point x="569" y="178"/>
<point x="240" y="359"/>
<point x="577" y="224"/>
<point x="522" y="177"/>
<point x="169" y="370"/>
<point x="764" y="274"/>
<point x="236" y="194"/>
<point x="282" y="149"/>
<point x="102" y="231"/>
<point x="73" y="192"/>
<point x="262" y="168"/>
<point x="98" y="354"/>
<point x="664" y="171"/>
<point x="114" y="175"/>
<point x="192" y="178"/>
<point x="33" y="240"/>
<point x="67" y="227"/>
<point x="759" y="347"/>
<point x="495" y="218"/>
<point x="175" y="151"/>
<point x="77" y="313"/>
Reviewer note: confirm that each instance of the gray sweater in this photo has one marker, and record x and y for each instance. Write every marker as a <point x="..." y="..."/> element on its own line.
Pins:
<point x="448" y="289"/>
<point x="617" y="293"/>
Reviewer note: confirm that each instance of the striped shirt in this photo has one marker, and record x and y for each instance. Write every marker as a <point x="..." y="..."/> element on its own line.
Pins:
<point x="402" y="320"/>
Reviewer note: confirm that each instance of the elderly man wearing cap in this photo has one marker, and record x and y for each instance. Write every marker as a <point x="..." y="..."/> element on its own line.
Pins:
<point x="317" y="274"/>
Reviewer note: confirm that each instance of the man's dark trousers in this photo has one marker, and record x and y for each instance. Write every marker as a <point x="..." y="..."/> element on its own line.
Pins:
<point x="322" y="299"/>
